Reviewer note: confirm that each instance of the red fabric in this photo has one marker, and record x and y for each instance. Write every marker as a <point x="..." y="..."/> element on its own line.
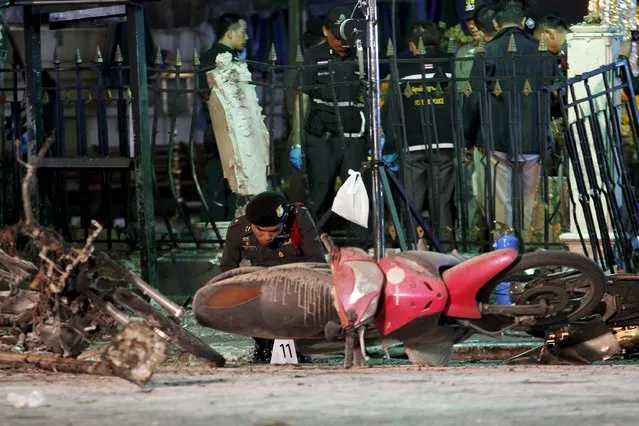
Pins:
<point x="296" y="235"/>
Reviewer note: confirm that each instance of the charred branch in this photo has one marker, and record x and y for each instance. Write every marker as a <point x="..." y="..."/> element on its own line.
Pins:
<point x="14" y="271"/>
<point x="28" y="179"/>
<point x="56" y="364"/>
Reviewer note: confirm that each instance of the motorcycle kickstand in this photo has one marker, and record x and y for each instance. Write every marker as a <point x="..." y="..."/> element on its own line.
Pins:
<point x="349" y="348"/>
<point x="355" y="350"/>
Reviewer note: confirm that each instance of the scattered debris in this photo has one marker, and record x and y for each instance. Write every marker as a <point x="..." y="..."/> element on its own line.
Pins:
<point x="34" y="400"/>
<point x="55" y="363"/>
<point x="58" y="305"/>
<point x="135" y="353"/>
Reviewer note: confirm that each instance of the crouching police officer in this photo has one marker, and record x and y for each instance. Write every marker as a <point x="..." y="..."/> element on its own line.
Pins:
<point x="271" y="233"/>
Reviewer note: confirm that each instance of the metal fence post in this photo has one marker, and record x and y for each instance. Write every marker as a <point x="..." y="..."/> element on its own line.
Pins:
<point x="35" y="106"/>
<point x="143" y="157"/>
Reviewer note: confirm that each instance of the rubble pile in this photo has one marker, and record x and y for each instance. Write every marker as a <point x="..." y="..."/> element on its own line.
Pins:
<point x="56" y="305"/>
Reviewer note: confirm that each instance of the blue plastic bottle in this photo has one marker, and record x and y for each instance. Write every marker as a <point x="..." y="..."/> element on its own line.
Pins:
<point x="505" y="241"/>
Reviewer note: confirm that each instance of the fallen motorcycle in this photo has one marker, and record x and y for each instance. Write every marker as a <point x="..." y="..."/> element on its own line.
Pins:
<point x="428" y="301"/>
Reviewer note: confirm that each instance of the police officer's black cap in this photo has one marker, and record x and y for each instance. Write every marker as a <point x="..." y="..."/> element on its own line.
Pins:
<point x="471" y="6"/>
<point x="335" y="17"/>
<point x="314" y="26"/>
<point x="266" y="209"/>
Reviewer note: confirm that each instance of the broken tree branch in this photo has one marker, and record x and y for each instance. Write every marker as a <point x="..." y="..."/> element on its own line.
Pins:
<point x="15" y="270"/>
<point x="51" y="363"/>
<point x="26" y="183"/>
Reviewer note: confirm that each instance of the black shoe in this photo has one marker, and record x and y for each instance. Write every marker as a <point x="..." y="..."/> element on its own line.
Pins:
<point x="304" y="359"/>
<point x="262" y="351"/>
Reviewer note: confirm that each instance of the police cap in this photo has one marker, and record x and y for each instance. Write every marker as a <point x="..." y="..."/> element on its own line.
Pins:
<point x="266" y="209"/>
<point x="335" y="17"/>
<point x="471" y="6"/>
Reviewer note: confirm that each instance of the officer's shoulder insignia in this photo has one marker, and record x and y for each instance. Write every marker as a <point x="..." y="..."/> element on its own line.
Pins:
<point x="248" y="228"/>
<point x="235" y="222"/>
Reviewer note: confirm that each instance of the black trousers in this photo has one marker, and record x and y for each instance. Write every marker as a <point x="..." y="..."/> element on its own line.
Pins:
<point x="326" y="159"/>
<point x="432" y="173"/>
<point x="221" y="201"/>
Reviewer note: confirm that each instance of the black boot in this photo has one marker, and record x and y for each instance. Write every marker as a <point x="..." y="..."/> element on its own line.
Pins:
<point x="262" y="351"/>
<point x="303" y="359"/>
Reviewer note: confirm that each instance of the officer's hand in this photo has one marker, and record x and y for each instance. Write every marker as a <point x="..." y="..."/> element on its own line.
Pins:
<point x="295" y="157"/>
<point x="391" y="161"/>
<point x="468" y="155"/>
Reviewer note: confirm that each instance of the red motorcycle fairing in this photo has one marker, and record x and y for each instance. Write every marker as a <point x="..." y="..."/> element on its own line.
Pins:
<point x="465" y="280"/>
<point x="411" y="293"/>
<point x="358" y="283"/>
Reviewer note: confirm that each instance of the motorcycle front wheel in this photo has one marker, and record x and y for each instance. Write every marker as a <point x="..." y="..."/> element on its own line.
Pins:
<point x="569" y="284"/>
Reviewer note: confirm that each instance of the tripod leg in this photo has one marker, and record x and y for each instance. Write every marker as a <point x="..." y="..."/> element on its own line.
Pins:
<point x="390" y="203"/>
<point x="411" y="208"/>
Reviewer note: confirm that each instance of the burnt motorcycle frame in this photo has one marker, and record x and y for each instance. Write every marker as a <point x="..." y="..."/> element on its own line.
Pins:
<point x="64" y="275"/>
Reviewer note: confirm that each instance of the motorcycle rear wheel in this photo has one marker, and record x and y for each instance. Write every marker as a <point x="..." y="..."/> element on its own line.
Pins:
<point x="545" y="276"/>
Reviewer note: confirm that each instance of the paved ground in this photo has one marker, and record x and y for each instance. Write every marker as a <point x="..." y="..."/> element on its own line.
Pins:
<point x="494" y="395"/>
<point x="388" y="393"/>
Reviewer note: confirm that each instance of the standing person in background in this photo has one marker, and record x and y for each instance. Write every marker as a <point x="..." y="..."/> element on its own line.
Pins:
<point x="554" y="31"/>
<point x="474" y="159"/>
<point x="330" y="154"/>
<point x="429" y="161"/>
<point x="464" y="66"/>
<point x="510" y="149"/>
<point x="231" y="29"/>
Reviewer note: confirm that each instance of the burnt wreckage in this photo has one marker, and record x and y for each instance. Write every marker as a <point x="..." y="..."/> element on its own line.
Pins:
<point x="61" y="300"/>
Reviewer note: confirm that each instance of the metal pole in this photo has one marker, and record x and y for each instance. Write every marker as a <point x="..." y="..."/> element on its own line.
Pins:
<point x="374" y="125"/>
<point x="35" y="106"/>
<point x="142" y="143"/>
<point x="294" y="29"/>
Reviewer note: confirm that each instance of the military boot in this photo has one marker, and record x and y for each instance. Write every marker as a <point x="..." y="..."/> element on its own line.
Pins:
<point x="262" y="351"/>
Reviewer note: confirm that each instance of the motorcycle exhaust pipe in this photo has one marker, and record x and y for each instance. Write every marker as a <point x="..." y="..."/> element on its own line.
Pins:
<point x="172" y="308"/>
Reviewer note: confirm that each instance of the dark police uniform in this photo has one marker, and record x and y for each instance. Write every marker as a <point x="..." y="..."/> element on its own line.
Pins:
<point x="216" y="188"/>
<point x="326" y="155"/>
<point x="298" y="242"/>
<point x="289" y="247"/>
<point x="429" y="163"/>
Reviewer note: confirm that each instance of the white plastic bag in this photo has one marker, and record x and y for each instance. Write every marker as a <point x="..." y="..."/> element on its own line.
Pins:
<point x="351" y="201"/>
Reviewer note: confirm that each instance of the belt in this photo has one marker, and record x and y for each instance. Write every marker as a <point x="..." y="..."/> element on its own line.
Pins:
<point x="362" y="129"/>
<point x="339" y="104"/>
<point x="414" y="148"/>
